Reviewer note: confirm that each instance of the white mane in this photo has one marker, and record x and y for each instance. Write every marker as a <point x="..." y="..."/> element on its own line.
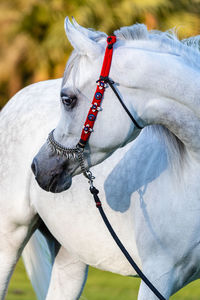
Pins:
<point x="163" y="41"/>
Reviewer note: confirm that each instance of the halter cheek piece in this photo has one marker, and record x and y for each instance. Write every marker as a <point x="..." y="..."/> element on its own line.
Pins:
<point x="102" y="83"/>
<point x="98" y="96"/>
<point x="77" y="153"/>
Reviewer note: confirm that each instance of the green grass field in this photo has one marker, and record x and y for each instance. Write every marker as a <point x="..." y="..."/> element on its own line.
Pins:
<point x="100" y="286"/>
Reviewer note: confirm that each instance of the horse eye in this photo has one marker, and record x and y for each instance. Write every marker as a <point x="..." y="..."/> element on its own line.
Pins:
<point x="66" y="100"/>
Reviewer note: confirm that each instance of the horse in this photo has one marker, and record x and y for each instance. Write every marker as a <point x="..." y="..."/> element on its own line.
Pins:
<point x="157" y="77"/>
<point x="25" y="122"/>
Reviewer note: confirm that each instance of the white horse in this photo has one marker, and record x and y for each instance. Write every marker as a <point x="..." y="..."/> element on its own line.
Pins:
<point x="71" y="215"/>
<point x="158" y="79"/>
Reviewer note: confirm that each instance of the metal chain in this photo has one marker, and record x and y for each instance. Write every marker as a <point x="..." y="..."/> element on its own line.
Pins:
<point x="76" y="153"/>
<point x="86" y="172"/>
<point x="61" y="150"/>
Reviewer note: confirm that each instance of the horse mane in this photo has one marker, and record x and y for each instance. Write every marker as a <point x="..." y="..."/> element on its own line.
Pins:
<point x="168" y="42"/>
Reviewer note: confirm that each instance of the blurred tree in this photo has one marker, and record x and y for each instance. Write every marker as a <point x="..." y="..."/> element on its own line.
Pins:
<point x="32" y="38"/>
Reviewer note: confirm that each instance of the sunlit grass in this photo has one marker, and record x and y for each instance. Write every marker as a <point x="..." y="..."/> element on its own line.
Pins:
<point x="100" y="286"/>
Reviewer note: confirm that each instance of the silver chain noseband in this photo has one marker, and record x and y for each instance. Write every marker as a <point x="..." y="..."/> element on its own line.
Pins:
<point x="61" y="150"/>
<point x="74" y="153"/>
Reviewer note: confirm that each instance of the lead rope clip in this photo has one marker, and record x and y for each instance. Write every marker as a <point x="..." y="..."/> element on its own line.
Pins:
<point x="90" y="177"/>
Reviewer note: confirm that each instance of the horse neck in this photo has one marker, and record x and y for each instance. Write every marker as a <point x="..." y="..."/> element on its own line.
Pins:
<point x="178" y="81"/>
<point x="169" y="92"/>
<point x="164" y="74"/>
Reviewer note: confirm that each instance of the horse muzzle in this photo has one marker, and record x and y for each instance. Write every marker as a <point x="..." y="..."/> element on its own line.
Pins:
<point x="52" y="172"/>
<point x="55" y="183"/>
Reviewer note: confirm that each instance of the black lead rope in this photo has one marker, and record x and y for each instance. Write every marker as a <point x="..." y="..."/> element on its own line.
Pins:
<point x="95" y="192"/>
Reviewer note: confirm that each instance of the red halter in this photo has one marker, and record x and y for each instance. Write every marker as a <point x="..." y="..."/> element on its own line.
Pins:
<point x="98" y="96"/>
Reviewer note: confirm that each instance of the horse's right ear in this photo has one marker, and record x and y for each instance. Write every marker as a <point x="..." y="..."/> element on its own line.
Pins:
<point x="80" y="42"/>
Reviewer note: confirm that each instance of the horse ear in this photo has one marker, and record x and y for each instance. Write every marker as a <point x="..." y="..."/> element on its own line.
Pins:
<point x="88" y="32"/>
<point x="81" y="42"/>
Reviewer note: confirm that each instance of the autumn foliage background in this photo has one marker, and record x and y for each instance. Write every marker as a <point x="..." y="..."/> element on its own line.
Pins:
<point x="33" y="45"/>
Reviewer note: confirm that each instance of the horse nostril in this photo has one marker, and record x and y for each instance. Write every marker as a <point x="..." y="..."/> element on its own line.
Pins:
<point x="34" y="167"/>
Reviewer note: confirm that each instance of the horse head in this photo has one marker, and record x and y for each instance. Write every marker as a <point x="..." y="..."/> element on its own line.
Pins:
<point x="139" y="64"/>
<point x="54" y="171"/>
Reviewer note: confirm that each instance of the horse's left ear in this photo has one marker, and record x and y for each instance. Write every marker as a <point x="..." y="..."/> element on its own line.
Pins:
<point x="92" y="34"/>
<point x="80" y="42"/>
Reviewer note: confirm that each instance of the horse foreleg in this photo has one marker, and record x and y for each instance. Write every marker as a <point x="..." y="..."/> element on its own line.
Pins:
<point x="68" y="277"/>
<point x="163" y="284"/>
<point x="12" y="242"/>
<point x="8" y="260"/>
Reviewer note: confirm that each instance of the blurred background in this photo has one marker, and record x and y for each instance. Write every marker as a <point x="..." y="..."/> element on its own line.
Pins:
<point x="33" y="47"/>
